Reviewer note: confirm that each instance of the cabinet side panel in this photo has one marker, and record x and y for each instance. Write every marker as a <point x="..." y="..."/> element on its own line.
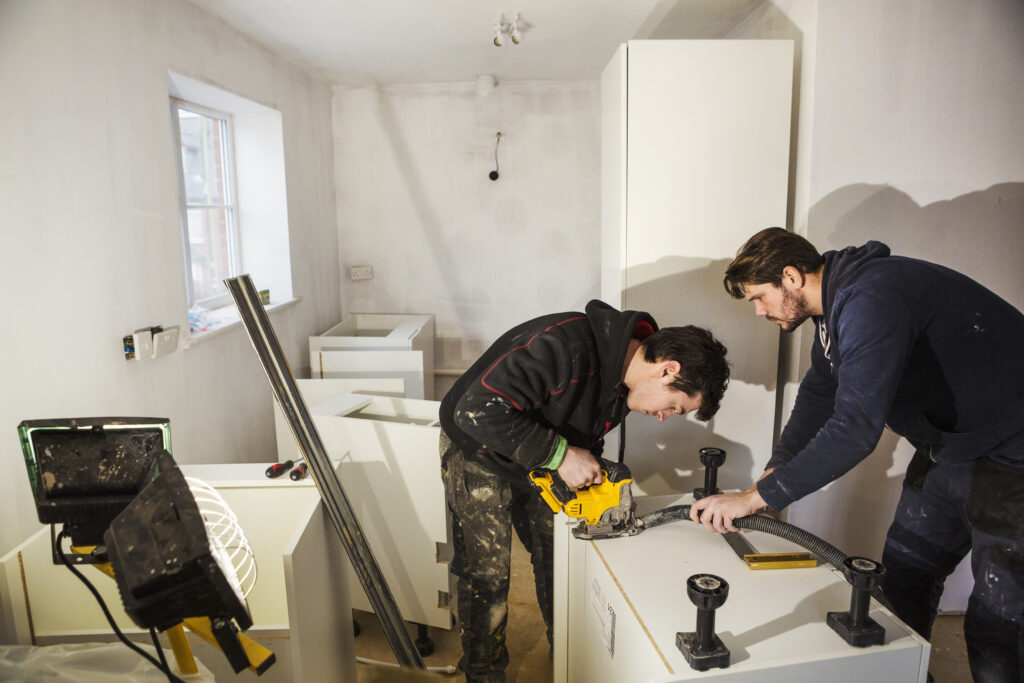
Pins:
<point x="707" y="167"/>
<point x="613" y="177"/>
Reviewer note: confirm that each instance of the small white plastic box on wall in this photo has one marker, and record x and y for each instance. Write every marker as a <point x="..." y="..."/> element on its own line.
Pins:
<point x="390" y="470"/>
<point x="403" y="344"/>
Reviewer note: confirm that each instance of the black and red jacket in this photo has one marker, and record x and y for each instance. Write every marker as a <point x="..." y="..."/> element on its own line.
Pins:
<point x="552" y="378"/>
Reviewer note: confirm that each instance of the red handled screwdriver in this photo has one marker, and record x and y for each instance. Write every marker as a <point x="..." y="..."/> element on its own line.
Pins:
<point x="298" y="473"/>
<point x="277" y="469"/>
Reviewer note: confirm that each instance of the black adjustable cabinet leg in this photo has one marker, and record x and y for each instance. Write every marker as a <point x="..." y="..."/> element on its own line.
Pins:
<point x="702" y="648"/>
<point x="712" y="459"/>
<point x="855" y="626"/>
<point x="423" y="642"/>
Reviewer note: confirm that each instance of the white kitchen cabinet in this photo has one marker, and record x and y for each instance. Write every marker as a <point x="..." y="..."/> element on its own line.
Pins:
<point x="620" y="602"/>
<point x="403" y="346"/>
<point x="390" y="469"/>
<point x="695" y="159"/>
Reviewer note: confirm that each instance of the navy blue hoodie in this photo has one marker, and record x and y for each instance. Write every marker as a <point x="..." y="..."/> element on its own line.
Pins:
<point x="910" y="345"/>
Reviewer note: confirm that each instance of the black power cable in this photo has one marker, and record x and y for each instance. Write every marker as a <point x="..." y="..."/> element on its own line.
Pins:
<point x="493" y="175"/>
<point x="160" y="651"/>
<point x="110" y="619"/>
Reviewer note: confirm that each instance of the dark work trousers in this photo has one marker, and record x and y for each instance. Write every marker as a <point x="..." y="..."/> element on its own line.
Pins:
<point x="944" y="512"/>
<point x="484" y="508"/>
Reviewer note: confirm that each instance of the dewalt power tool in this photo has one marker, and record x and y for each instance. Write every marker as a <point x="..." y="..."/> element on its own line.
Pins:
<point x="605" y="510"/>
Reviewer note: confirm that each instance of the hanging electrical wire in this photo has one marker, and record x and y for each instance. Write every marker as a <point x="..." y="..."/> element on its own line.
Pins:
<point x="493" y="175"/>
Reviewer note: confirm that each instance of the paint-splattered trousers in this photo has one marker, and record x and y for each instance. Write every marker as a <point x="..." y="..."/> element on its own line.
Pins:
<point x="944" y="512"/>
<point x="484" y="508"/>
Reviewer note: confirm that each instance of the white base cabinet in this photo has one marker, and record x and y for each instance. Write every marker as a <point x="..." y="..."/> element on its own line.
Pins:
<point x="401" y="345"/>
<point x="390" y="470"/>
<point x="620" y="602"/>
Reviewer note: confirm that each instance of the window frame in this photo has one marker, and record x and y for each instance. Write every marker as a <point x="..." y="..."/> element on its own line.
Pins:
<point x="230" y="206"/>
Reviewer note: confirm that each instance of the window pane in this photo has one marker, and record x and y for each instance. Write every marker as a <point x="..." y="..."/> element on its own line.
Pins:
<point x="202" y="158"/>
<point x="209" y="248"/>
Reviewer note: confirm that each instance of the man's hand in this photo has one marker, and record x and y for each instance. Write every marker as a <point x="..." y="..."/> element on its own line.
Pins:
<point x="579" y="468"/>
<point x="717" y="512"/>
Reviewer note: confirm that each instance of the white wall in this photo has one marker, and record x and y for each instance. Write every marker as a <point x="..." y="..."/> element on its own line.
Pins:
<point x="90" y="240"/>
<point x="915" y="137"/>
<point x="415" y="202"/>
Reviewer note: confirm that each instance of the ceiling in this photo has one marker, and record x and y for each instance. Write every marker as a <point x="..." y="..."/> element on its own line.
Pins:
<point x="361" y="42"/>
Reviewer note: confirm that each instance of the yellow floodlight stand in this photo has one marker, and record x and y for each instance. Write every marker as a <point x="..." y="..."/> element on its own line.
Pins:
<point x="260" y="658"/>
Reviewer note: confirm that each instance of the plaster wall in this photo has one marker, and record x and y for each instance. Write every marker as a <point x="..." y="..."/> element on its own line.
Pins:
<point x="90" y="238"/>
<point x="415" y="203"/>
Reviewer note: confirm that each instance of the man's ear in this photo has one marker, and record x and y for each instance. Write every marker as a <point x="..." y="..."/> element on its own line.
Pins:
<point x="669" y="370"/>
<point x="794" y="277"/>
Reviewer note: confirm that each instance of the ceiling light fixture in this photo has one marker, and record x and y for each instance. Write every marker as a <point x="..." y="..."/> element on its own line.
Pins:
<point x="513" y="30"/>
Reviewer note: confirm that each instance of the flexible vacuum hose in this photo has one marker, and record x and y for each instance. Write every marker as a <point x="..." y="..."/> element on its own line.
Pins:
<point x="768" y="525"/>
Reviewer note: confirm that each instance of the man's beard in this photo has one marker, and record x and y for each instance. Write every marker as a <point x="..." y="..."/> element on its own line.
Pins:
<point x="795" y="309"/>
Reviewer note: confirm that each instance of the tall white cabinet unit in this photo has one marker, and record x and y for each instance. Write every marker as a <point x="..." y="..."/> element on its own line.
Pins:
<point x="695" y="159"/>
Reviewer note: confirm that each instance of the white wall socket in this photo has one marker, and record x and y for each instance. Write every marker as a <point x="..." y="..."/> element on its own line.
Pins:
<point x="165" y="342"/>
<point x="143" y="343"/>
<point x="361" y="272"/>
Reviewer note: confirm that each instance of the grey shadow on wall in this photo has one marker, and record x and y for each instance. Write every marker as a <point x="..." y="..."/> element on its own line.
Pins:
<point x="679" y="290"/>
<point x="979" y="233"/>
<point x="663" y="457"/>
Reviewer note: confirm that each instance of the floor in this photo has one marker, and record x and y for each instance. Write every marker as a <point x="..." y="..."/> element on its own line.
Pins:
<point x="528" y="648"/>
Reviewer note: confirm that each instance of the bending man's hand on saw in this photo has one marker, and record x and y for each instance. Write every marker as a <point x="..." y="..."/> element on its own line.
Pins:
<point x="717" y="512"/>
<point x="579" y="468"/>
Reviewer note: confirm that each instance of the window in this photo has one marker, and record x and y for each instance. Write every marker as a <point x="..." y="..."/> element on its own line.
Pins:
<point x="231" y="186"/>
<point x="209" y="213"/>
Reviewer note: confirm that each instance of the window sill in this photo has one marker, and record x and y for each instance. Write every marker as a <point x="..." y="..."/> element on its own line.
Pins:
<point x="226" y="318"/>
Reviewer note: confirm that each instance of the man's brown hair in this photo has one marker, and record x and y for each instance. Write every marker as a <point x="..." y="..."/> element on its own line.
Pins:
<point x="765" y="255"/>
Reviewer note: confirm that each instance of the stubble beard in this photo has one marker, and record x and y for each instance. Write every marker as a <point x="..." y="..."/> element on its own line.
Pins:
<point x="795" y="307"/>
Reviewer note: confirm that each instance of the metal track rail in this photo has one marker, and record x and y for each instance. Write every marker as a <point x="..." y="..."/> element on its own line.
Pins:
<point x="264" y="340"/>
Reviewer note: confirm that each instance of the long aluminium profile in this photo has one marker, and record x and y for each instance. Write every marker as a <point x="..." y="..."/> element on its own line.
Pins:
<point x="264" y="340"/>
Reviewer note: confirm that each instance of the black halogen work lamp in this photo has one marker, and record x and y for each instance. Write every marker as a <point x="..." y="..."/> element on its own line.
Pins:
<point x="174" y="547"/>
<point x="173" y="560"/>
<point x="84" y="471"/>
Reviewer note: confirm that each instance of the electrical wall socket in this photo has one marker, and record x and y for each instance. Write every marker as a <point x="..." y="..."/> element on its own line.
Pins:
<point x="148" y="345"/>
<point x="165" y="342"/>
<point x="361" y="272"/>
<point x="143" y="343"/>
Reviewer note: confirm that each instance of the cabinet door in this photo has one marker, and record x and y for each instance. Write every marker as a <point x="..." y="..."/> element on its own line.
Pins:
<point x="706" y="125"/>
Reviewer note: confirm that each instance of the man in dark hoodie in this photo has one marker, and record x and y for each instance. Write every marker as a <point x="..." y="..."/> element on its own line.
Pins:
<point x="543" y="396"/>
<point x="936" y="357"/>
